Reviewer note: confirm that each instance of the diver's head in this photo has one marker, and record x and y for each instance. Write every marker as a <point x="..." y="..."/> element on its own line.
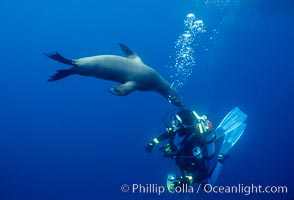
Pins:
<point x="175" y="98"/>
<point x="184" y="121"/>
<point x="187" y="121"/>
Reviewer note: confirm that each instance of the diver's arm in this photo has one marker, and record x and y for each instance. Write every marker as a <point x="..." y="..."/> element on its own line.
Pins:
<point x="167" y="134"/>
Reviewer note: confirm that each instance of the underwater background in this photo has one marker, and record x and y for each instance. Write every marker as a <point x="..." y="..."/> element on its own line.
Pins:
<point x="72" y="139"/>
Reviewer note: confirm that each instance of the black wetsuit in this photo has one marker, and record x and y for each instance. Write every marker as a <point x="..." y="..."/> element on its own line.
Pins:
<point x="183" y="153"/>
<point x="186" y="160"/>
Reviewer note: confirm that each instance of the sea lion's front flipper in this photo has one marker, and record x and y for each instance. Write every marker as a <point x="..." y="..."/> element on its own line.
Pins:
<point x="123" y="89"/>
<point x="129" y="52"/>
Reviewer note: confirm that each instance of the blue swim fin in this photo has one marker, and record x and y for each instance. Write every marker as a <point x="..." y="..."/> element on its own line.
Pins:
<point x="231" y="139"/>
<point x="230" y="122"/>
<point x="227" y="134"/>
<point x="232" y="127"/>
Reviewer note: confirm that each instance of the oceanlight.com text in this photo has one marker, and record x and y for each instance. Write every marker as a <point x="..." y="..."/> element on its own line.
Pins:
<point x="246" y="190"/>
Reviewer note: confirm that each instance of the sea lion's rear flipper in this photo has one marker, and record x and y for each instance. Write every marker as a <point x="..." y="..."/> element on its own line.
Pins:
<point x="58" y="57"/>
<point x="129" y="52"/>
<point x="123" y="89"/>
<point x="60" y="74"/>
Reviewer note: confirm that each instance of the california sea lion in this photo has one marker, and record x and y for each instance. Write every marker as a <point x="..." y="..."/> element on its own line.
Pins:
<point x="130" y="71"/>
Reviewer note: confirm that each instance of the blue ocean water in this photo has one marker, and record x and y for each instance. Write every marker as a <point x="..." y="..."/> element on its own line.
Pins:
<point x="72" y="139"/>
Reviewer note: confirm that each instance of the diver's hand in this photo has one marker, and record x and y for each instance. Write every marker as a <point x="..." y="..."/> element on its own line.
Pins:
<point x="149" y="147"/>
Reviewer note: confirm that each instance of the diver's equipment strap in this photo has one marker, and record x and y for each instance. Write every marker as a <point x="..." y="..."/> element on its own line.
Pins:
<point x="200" y="127"/>
<point x="201" y="124"/>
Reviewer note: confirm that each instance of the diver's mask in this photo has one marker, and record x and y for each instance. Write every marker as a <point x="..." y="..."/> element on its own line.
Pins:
<point x="188" y="119"/>
<point x="179" y="125"/>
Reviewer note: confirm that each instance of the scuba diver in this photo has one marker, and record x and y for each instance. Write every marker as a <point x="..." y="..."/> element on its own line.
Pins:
<point x="198" y="150"/>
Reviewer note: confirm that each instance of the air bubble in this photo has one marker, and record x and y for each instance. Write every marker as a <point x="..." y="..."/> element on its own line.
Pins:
<point x="184" y="59"/>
